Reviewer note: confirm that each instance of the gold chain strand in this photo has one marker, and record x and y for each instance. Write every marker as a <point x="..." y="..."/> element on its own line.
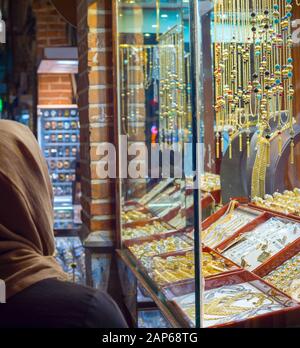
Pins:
<point x="253" y="70"/>
<point x="292" y="152"/>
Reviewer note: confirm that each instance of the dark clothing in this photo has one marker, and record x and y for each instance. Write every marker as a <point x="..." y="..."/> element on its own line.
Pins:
<point x="55" y="304"/>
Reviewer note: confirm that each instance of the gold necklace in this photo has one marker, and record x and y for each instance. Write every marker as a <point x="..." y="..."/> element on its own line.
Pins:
<point x="260" y="169"/>
<point x="267" y="82"/>
<point x="223" y="306"/>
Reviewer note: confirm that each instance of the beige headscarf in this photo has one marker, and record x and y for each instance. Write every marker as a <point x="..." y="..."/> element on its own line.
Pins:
<point x="26" y="215"/>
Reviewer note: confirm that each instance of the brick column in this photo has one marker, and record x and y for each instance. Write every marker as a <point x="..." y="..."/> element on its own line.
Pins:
<point x="51" y="31"/>
<point x="95" y="99"/>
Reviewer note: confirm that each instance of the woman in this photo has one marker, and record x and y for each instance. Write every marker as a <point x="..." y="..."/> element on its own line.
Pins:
<point x="38" y="292"/>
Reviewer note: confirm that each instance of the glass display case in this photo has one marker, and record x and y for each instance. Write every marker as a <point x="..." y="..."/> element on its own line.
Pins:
<point x="215" y="84"/>
<point x="250" y="79"/>
<point x="155" y="120"/>
<point x="58" y="133"/>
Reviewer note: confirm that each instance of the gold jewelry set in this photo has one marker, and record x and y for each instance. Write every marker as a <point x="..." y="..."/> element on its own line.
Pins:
<point x="134" y="216"/>
<point x="229" y="303"/>
<point x="147" y="230"/>
<point x="236" y="302"/>
<point x="252" y="249"/>
<point x="287" y="202"/>
<point x="249" y="251"/>
<point x="174" y="87"/>
<point x="227" y="225"/>
<point x="164" y="68"/>
<point x="131" y="79"/>
<point x="253" y="71"/>
<point x="172" y="269"/>
<point x="259" y="171"/>
<point x="210" y="182"/>
<point x="286" y="277"/>
<point x="161" y="246"/>
<point x="175" y="268"/>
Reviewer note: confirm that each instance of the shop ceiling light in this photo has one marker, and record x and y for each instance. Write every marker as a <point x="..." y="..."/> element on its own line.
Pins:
<point x="58" y="67"/>
<point x="67" y="62"/>
<point x="59" y="60"/>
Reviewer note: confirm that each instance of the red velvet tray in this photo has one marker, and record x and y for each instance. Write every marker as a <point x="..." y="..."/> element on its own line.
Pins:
<point x="144" y="223"/>
<point x="216" y="196"/>
<point x="172" y="213"/>
<point x="247" y="229"/>
<point x="292" y="216"/>
<point x="278" y="259"/>
<point x="175" y="189"/>
<point x="215" y="217"/>
<point x="286" y="316"/>
<point x="165" y="235"/>
<point x="232" y="267"/>
<point x="147" y="222"/>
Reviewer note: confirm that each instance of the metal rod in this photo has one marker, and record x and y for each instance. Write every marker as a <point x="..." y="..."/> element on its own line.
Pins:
<point x="196" y="107"/>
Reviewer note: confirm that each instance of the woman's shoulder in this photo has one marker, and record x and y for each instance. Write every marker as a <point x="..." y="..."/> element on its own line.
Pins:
<point x="100" y="310"/>
<point x="59" y="292"/>
<point x="55" y="303"/>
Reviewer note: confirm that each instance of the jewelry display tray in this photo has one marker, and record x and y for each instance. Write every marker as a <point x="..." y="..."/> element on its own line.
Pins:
<point x="173" y="210"/>
<point x="219" y="214"/>
<point x="251" y="226"/>
<point x="65" y="143"/>
<point x="278" y="213"/>
<point x="207" y="198"/>
<point x="277" y="260"/>
<point x="134" y="206"/>
<point x="147" y="271"/>
<point x="179" y="233"/>
<point x="289" y="316"/>
<point x="144" y="222"/>
<point x="155" y="189"/>
<point x="150" y="221"/>
<point x="210" y="197"/>
<point x="286" y="316"/>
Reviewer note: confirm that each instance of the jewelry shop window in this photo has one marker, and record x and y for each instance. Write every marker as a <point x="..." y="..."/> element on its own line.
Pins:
<point x="156" y="196"/>
<point x="249" y="126"/>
